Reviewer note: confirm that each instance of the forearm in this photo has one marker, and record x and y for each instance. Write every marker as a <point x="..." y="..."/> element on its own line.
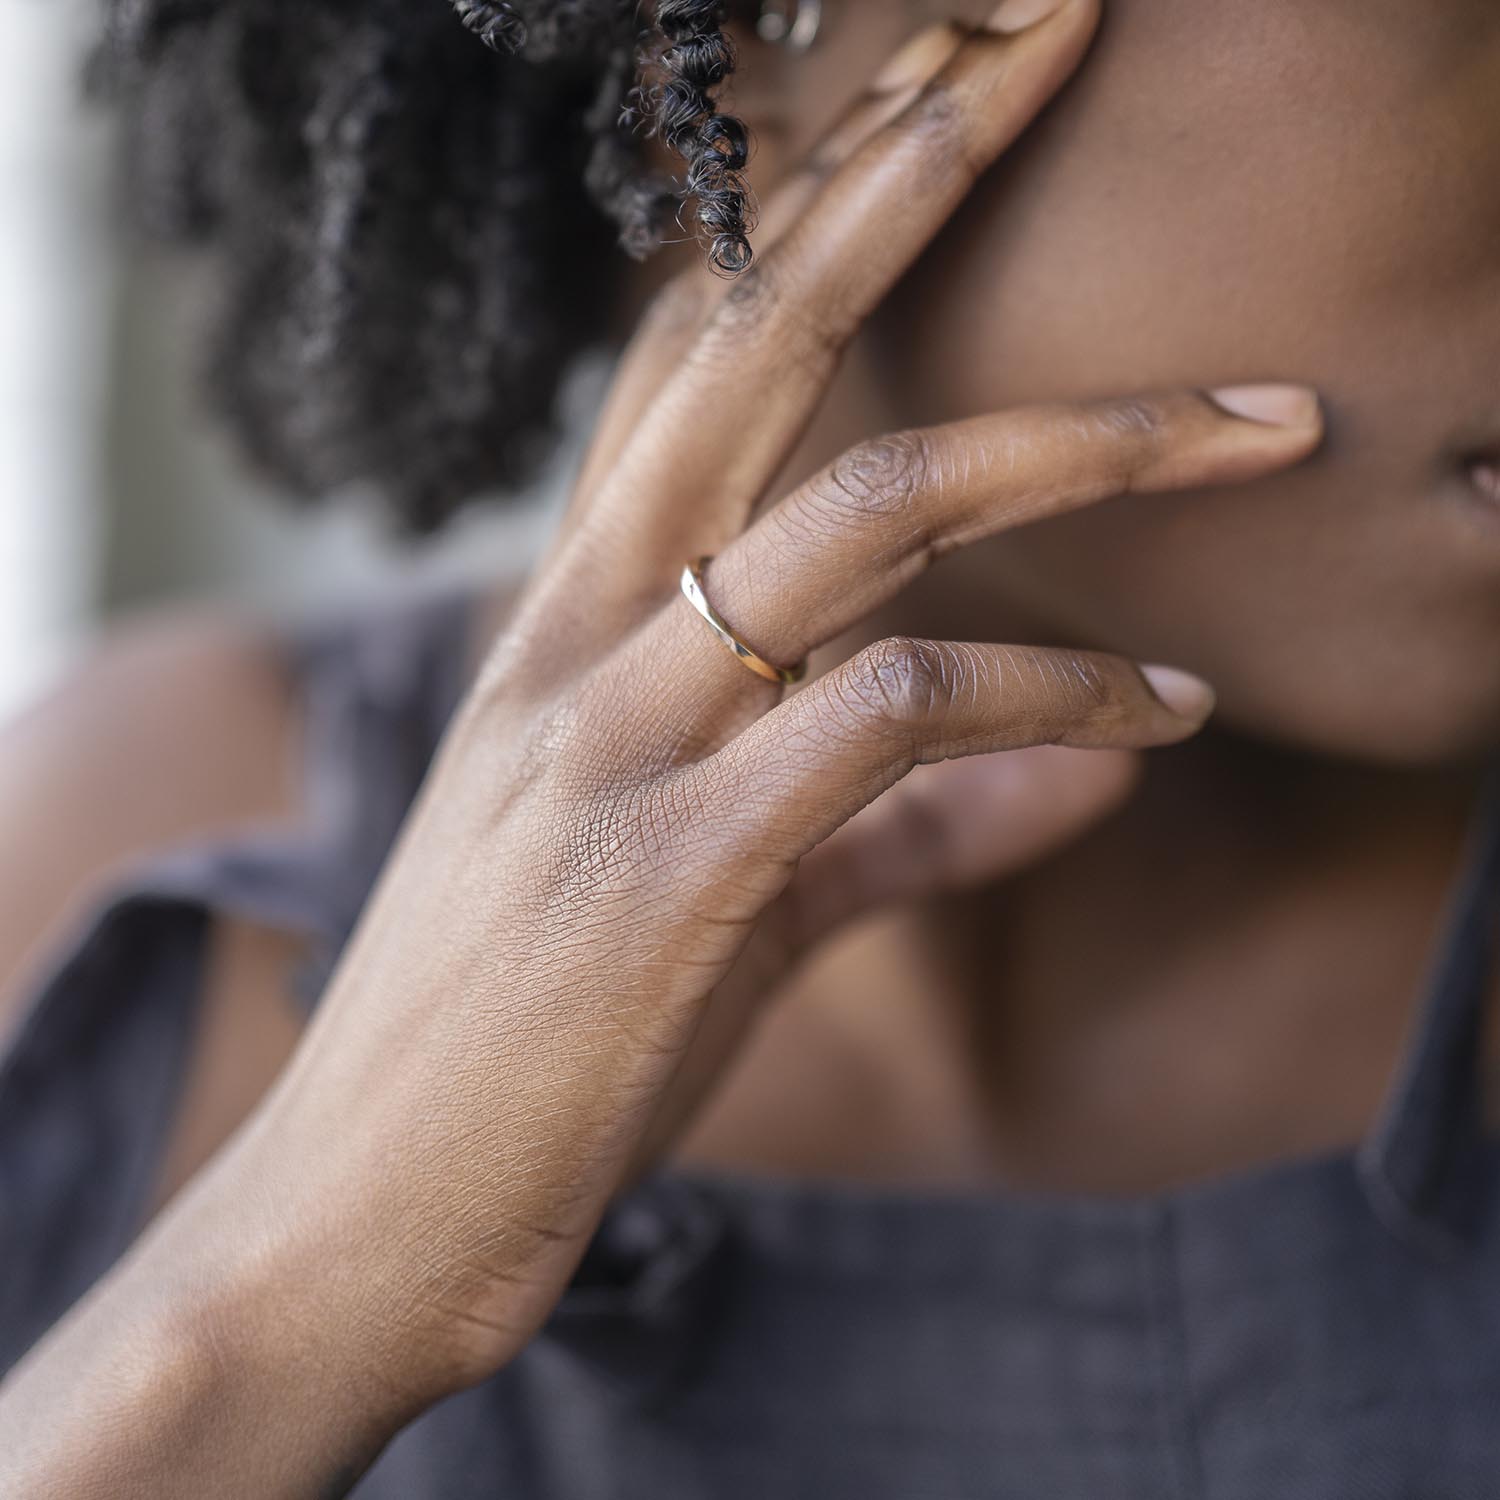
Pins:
<point x="167" y="1381"/>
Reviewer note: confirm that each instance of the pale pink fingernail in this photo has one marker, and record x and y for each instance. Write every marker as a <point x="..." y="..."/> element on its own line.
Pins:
<point x="1187" y="696"/>
<point x="1020" y="15"/>
<point x="1272" y="405"/>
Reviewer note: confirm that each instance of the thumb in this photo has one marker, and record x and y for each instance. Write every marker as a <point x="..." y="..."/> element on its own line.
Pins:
<point x="953" y="825"/>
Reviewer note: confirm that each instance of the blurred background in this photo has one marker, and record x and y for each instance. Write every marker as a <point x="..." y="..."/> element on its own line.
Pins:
<point x="117" y="492"/>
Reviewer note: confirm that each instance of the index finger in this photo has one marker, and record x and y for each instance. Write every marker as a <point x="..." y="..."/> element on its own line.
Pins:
<point x="725" y="422"/>
<point x="805" y="300"/>
<point x="678" y="310"/>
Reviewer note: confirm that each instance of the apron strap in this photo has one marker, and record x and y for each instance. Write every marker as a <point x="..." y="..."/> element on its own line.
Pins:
<point x="1420" y="1165"/>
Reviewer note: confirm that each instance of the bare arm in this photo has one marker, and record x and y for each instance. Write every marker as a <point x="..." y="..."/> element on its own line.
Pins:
<point x="173" y="729"/>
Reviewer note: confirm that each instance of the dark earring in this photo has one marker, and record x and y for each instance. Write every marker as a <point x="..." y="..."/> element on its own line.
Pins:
<point x="793" y="24"/>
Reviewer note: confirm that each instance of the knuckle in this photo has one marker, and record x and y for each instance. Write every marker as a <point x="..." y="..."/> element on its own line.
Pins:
<point x="1134" y="416"/>
<point x="882" y="478"/>
<point x="1067" y="686"/>
<point x="1137" y="429"/>
<point x="1089" y="688"/>
<point x="754" y="297"/>
<point x="785" y="311"/>
<point x="771" y="316"/>
<point x="936" y="129"/>
<point x="899" y="683"/>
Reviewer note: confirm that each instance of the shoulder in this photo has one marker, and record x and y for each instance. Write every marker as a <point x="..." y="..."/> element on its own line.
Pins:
<point x="174" y="727"/>
<point x="189" y="726"/>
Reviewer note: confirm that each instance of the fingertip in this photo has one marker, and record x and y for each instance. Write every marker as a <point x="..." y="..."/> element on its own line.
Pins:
<point x="920" y="60"/>
<point x="1012" y="17"/>
<point x="1190" y="698"/>
<point x="1270" y="405"/>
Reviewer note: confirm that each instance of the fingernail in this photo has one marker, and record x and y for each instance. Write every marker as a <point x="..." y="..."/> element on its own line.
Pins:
<point x="918" y="60"/>
<point x="1018" y="15"/>
<point x="1187" y="696"/>
<point x="1274" y="405"/>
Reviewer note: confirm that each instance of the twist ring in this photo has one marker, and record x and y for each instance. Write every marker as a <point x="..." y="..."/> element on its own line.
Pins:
<point x="692" y="587"/>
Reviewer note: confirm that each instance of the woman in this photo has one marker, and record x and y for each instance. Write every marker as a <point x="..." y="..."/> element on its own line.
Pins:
<point x="1139" y="1148"/>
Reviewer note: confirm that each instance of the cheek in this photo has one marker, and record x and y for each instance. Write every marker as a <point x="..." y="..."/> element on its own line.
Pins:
<point x="1079" y="281"/>
<point x="1352" y="606"/>
<point x="1318" y="627"/>
<point x="1243" y="211"/>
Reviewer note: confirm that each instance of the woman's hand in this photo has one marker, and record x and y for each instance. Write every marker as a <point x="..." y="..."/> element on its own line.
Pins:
<point x="628" y="835"/>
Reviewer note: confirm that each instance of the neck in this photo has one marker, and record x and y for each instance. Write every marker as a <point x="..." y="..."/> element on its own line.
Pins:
<point x="1248" y="933"/>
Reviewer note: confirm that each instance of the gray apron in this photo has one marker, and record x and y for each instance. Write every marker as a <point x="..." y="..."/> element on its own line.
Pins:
<point x="1322" y="1329"/>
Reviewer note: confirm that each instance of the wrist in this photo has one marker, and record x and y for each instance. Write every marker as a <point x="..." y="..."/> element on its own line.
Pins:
<point x="167" y="1382"/>
<point x="251" y="1290"/>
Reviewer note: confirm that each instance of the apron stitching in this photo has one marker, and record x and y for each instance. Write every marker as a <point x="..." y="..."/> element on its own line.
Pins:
<point x="1168" y="1338"/>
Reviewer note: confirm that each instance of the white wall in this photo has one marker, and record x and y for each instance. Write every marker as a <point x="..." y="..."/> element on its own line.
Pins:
<point x="117" y="491"/>
<point x="55" y="260"/>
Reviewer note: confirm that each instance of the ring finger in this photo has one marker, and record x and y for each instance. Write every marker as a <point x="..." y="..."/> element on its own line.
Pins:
<point x="834" y="550"/>
<point x="705" y="449"/>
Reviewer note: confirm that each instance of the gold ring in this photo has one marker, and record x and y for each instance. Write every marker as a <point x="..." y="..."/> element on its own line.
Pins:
<point x="692" y="586"/>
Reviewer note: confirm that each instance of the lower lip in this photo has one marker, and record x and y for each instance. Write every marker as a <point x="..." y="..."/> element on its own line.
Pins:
<point x="1484" y="476"/>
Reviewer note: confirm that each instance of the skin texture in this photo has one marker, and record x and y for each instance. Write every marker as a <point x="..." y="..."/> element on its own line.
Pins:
<point x="609" y="878"/>
<point x="1231" y="193"/>
<point x="402" y="1211"/>
<point x="193" y="714"/>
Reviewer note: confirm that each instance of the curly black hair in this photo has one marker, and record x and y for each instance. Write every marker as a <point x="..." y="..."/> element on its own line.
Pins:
<point x="412" y="231"/>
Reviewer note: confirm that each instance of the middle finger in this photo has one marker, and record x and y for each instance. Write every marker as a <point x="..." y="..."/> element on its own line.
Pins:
<point x="818" y="562"/>
<point x="725" y="422"/>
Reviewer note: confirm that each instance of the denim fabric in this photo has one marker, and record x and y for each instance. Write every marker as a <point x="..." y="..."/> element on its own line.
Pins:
<point x="1323" y="1329"/>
